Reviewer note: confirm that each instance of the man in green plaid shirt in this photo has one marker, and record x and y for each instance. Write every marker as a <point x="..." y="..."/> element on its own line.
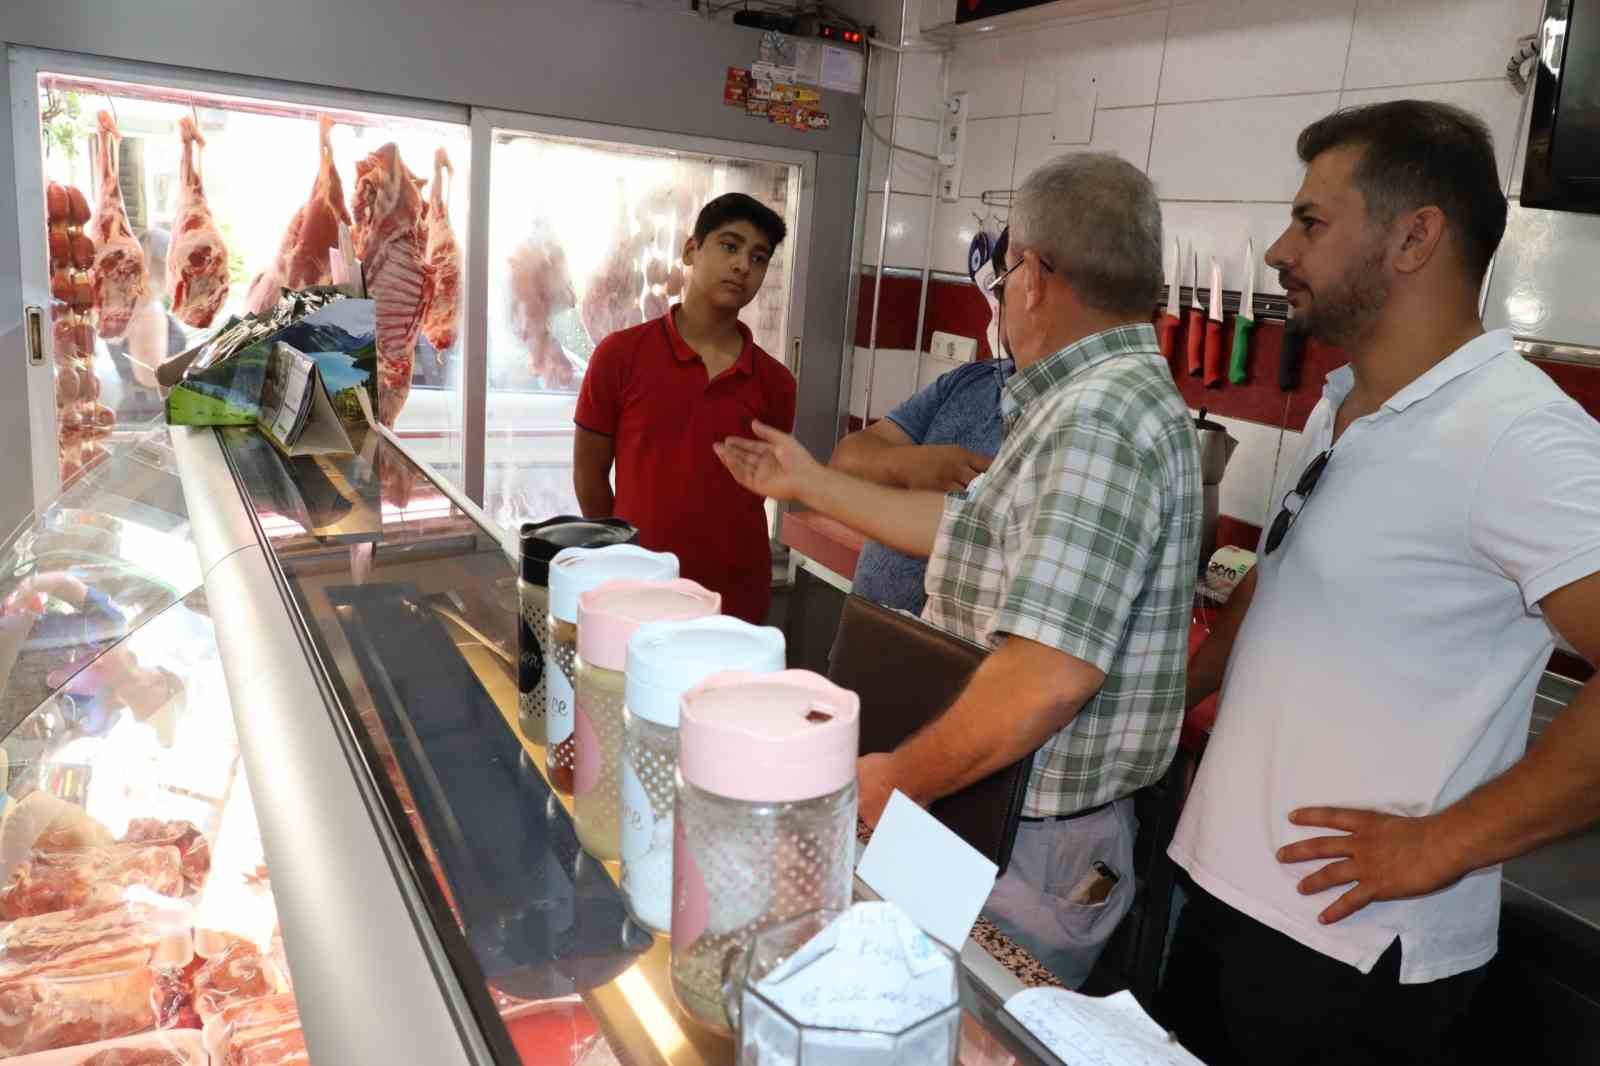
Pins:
<point x="1074" y="557"/>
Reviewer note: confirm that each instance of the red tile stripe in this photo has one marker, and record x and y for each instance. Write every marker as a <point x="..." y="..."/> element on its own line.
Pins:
<point x="958" y="307"/>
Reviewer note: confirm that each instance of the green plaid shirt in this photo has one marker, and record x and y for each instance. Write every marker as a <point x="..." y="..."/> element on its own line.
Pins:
<point x="1085" y="536"/>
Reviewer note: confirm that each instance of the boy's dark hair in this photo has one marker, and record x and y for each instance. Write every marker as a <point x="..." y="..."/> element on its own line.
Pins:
<point x="737" y="207"/>
<point x="1417" y="153"/>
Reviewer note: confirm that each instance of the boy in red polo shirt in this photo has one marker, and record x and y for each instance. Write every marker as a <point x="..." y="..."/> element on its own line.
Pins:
<point x="657" y="396"/>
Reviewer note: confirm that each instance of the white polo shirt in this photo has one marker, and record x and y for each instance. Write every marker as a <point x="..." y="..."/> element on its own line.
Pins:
<point x="1390" y="655"/>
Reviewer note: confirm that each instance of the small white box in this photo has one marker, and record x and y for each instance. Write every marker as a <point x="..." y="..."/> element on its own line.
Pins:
<point x="953" y="348"/>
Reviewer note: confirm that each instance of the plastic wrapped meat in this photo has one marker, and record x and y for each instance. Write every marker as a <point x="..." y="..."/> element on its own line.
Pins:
<point x="63" y="880"/>
<point x="167" y="1047"/>
<point x="104" y="998"/>
<point x="193" y="848"/>
<point x="257" y="1032"/>
<point x="238" y="974"/>
<point x="305" y="259"/>
<point x="541" y="289"/>
<point x="389" y="241"/>
<point x="137" y="1057"/>
<point x="197" y="264"/>
<point x="443" y="255"/>
<point x="121" y="282"/>
<point x="286" y="1047"/>
<point x="65" y="939"/>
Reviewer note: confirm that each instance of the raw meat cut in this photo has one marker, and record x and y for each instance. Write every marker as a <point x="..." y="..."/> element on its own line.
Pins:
<point x="238" y="974"/>
<point x="107" y="998"/>
<point x="68" y="939"/>
<point x="286" y="1047"/>
<point x="136" y="1057"/>
<point x="541" y="288"/>
<point x="613" y="297"/>
<point x="258" y="1032"/>
<point x="197" y="262"/>
<point x="194" y="849"/>
<point x="304" y="257"/>
<point x="120" y="280"/>
<point x="388" y="238"/>
<point x="63" y="880"/>
<point x="444" y="260"/>
<point x="67" y="827"/>
<point x="267" y="1013"/>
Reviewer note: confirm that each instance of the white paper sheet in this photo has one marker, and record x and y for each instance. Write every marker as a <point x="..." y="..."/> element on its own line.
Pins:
<point x="933" y="875"/>
<point x="1090" y="1031"/>
<point x="842" y="69"/>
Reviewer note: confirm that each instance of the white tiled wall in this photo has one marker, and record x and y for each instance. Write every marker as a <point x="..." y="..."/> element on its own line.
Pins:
<point x="1208" y="97"/>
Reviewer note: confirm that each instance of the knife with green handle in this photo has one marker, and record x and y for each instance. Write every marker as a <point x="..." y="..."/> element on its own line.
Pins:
<point x="1239" y="363"/>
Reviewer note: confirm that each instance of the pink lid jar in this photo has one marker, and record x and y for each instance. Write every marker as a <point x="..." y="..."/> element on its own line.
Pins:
<point x="766" y="818"/>
<point x="607" y="617"/>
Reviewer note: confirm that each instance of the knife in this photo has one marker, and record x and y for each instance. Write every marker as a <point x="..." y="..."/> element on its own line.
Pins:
<point x="1194" y="350"/>
<point x="1172" y="321"/>
<point x="1213" y="353"/>
<point x="1239" y="363"/>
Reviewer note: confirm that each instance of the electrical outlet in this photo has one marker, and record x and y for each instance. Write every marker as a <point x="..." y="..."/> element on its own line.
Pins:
<point x="954" y="348"/>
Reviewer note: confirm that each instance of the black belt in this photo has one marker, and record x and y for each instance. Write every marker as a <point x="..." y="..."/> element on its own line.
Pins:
<point x="1074" y="815"/>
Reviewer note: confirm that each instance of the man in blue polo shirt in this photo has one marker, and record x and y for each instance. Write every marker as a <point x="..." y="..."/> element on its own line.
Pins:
<point x="939" y="439"/>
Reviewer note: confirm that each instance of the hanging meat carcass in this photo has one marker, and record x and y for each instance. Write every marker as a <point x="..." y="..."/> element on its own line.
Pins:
<point x="388" y="220"/>
<point x="197" y="262"/>
<point x="304" y="257"/>
<point x="81" y="420"/>
<point x="444" y="260"/>
<point x="120" y="280"/>
<point x="612" y="299"/>
<point x="541" y="288"/>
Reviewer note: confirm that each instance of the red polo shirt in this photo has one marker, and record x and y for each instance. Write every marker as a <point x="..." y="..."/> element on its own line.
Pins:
<point x="646" y="389"/>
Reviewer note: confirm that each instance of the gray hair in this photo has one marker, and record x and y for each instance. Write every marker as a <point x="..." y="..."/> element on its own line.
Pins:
<point x="1096" y="218"/>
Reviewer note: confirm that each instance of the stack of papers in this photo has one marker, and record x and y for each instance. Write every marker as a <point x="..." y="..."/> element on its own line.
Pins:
<point x="1088" y="1031"/>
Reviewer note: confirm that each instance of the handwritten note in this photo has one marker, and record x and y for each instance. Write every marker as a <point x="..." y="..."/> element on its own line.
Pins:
<point x="1091" y="1031"/>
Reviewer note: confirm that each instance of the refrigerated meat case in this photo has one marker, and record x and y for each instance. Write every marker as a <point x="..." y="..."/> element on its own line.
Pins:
<point x="434" y="903"/>
<point x="135" y="903"/>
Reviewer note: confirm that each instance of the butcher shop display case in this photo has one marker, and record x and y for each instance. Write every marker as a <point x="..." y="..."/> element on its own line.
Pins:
<point x="137" y="919"/>
<point x="405" y="646"/>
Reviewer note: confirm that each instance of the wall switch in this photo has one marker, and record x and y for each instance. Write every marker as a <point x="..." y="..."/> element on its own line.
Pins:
<point x="954" y="348"/>
<point x="952" y="147"/>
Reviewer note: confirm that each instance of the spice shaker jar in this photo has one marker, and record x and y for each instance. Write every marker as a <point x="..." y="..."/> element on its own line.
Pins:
<point x="607" y="619"/>
<point x="572" y="572"/>
<point x="766" y="818"/>
<point x="665" y="660"/>
<point x="540" y="543"/>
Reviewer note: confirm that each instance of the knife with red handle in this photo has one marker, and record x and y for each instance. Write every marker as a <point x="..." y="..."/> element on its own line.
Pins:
<point x="1172" y="321"/>
<point x="1215" y="364"/>
<point x="1195" y="347"/>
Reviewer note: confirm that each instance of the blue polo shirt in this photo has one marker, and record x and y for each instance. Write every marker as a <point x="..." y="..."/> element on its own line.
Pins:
<point x="961" y="407"/>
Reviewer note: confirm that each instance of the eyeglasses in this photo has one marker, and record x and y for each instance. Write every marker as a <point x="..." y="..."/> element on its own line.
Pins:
<point x="1303" y="489"/>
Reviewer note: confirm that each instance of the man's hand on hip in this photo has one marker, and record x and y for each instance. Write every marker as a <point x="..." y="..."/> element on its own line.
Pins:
<point x="1385" y="856"/>
<point x="942" y="467"/>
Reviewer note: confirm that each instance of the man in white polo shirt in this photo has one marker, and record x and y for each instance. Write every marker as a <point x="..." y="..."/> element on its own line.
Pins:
<point x="1367" y="774"/>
